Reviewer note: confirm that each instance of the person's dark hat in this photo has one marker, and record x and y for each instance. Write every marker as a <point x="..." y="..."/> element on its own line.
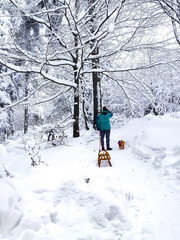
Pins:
<point x="104" y="108"/>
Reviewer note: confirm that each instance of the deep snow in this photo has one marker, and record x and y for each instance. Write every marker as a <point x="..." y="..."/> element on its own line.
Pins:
<point x="138" y="198"/>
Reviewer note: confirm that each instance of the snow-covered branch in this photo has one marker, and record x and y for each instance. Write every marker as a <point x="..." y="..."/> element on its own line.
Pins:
<point x="38" y="70"/>
<point x="142" y="67"/>
<point x="50" y="98"/>
<point x="24" y="98"/>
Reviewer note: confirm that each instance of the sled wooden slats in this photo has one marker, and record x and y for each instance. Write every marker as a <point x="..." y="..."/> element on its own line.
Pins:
<point x="104" y="156"/>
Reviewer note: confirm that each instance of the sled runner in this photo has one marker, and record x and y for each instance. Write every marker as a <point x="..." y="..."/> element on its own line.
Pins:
<point x="104" y="156"/>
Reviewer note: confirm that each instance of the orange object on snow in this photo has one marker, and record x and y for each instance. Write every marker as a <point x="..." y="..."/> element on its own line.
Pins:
<point x="121" y="144"/>
<point x="104" y="156"/>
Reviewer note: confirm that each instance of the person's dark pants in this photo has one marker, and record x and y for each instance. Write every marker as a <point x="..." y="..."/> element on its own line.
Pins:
<point x="103" y="133"/>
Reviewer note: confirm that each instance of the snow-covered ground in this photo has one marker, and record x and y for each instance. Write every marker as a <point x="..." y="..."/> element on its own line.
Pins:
<point x="68" y="197"/>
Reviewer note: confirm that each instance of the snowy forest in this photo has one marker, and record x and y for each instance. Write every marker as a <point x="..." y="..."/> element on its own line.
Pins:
<point x="61" y="62"/>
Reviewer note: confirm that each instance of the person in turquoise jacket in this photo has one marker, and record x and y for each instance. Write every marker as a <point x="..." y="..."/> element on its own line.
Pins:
<point x="103" y="125"/>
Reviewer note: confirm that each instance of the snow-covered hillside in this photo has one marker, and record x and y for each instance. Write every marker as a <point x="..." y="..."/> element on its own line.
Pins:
<point x="70" y="198"/>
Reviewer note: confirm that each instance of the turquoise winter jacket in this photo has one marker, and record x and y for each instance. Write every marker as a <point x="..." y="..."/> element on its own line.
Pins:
<point x="102" y="121"/>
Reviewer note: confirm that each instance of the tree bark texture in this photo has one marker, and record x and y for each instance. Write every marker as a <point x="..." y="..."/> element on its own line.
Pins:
<point x="26" y="113"/>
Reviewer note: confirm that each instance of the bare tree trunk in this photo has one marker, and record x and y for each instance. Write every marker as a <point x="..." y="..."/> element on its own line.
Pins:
<point x="76" y="132"/>
<point x="76" y="107"/>
<point x="26" y="114"/>
<point x="84" y="112"/>
<point x="97" y="102"/>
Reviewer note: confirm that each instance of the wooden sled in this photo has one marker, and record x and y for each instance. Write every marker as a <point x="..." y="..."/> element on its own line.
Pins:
<point x="104" y="156"/>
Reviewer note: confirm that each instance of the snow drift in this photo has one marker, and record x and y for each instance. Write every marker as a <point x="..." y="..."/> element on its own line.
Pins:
<point x="70" y="198"/>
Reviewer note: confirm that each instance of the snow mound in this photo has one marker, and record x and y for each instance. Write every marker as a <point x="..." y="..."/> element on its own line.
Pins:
<point x="3" y="153"/>
<point x="10" y="207"/>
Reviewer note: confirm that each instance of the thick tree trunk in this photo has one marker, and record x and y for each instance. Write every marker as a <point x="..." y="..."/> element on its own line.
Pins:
<point x="97" y="101"/>
<point x="76" y="111"/>
<point x="76" y="93"/>
<point x="76" y="132"/>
